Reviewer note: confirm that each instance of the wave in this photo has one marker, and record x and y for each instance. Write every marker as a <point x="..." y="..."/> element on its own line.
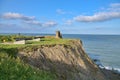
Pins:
<point x="113" y="69"/>
<point x="96" y="59"/>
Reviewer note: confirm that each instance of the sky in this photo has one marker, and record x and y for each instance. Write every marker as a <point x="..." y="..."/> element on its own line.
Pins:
<point x="68" y="16"/>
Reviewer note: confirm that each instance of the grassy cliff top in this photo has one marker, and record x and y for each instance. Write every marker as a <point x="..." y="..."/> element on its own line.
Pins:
<point x="49" y="41"/>
<point x="13" y="49"/>
<point x="43" y="41"/>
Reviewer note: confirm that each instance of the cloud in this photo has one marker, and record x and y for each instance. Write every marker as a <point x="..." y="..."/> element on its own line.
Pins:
<point x="11" y="15"/>
<point x="69" y="22"/>
<point x="115" y="5"/>
<point x="50" y="24"/>
<point x="59" y="11"/>
<point x="101" y="16"/>
<point x="33" y="23"/>
<point x="45" y="24"/>
<point x="30" y="20"/>
<point x="112" y="12"/>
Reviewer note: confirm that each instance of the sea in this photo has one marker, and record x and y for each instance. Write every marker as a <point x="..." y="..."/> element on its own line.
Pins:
<point x="105" y="49"/>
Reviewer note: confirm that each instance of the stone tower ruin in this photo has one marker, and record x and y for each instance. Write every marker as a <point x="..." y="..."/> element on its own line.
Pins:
<point x="58" y="34"/>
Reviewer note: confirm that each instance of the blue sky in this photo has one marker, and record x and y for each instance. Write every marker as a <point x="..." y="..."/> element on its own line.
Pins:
<point x="68" y="16"/>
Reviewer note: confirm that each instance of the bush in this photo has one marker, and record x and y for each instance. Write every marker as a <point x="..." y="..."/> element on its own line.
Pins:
<point x="15" y="69"/>
<point x="6" y="38"/>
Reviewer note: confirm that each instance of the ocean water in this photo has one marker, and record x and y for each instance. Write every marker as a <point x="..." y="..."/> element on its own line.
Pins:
<point x="106" y="48"/>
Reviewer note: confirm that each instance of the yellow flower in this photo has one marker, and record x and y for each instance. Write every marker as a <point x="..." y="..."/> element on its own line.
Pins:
<point x="34" y="72"/>
<point x="3" y="40"/>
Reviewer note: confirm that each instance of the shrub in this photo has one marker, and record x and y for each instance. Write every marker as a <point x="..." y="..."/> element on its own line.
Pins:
<point x="15" y="69"/>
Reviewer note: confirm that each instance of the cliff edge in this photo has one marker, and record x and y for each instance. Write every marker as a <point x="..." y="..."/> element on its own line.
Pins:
<point x="69" y="62"/>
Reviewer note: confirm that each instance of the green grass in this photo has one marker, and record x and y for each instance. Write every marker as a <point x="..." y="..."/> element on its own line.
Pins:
<point x="15" y="69"/>
<point x="44" y="41"/>
<point x="12" y="49"/>
<point x="49" y="41"/>
<point x="11" y="38"/>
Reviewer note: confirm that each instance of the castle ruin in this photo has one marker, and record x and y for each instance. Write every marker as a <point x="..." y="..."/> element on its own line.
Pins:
<point x="58" y="34"/>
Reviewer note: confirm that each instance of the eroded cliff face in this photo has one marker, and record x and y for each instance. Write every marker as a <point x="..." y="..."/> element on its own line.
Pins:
<point x="69" y="62"/>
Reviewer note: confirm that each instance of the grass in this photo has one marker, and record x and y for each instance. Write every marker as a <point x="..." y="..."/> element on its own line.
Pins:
<point x="12" y="68"/>
<point x="49" y="41"/>
<point x="44" y="41"/>
<point x="12" y="49"/>
<point x="15" y="69"/>
<point x="11" y="38"/>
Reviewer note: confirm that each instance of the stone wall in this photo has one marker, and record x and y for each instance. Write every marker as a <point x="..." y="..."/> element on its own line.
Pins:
<point x="19" y="42"/>
<point x="37" y="39"/>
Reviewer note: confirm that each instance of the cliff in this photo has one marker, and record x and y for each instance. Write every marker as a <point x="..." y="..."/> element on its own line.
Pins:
<point x="68" y="62"/>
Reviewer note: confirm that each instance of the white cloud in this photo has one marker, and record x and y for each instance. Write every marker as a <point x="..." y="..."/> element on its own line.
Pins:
<point x="60" y="11"/>
<point x="30" y="20"/>
<point x="112" y="12"/>
<point x="33" y="23"/>
<point x="49" y="24"/>
<point x="11" y="15"/>
<point x="69" y="22"/>
<point x="45" y="24"/>
<point x="101" y="16"/>
<point x="115" y="5"/>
